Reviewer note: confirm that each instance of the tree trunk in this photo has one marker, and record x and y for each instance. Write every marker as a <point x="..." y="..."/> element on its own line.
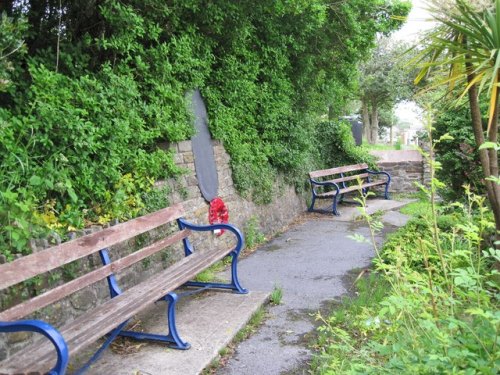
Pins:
<point x="374" y="124"/>
<point x="489" y="160"/>
<point x="391" y="134"/>
<point x="366" y="121"/>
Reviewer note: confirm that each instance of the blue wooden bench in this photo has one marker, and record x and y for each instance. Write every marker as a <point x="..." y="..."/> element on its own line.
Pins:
<point x="53" y="354"/>
<point x="334" y="183"/>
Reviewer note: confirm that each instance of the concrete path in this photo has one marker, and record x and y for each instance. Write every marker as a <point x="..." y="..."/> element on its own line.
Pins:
<point x="309" y="262"/>
<point x="208" y="322"/>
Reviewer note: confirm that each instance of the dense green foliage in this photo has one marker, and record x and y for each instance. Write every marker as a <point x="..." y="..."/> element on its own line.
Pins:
<point x="461" y="55"/>
<point x="458" y="155"/>
<point x="431" y="309"/>
<point x="337" y="146"/>
<point x="92" y="99"/>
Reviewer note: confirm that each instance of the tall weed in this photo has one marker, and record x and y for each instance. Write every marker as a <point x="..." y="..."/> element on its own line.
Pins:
<point x="440" y="313"/>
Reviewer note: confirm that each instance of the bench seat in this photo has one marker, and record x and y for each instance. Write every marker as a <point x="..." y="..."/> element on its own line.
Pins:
<point x="350" y="189"/>
<point x="88" y="328"/>
<point x="109" y="317"/>
<point x="333" y="183"/>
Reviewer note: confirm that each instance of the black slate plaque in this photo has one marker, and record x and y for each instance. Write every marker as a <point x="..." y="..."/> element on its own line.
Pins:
<point x="204" y="161"/>
<point x="357" y="131"/>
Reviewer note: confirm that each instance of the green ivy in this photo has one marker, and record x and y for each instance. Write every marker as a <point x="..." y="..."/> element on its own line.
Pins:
<point x="337" y="145"/>
<point x="90" y="107"/>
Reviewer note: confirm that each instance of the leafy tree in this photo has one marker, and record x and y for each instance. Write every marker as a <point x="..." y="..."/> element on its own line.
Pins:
<point x="464" y="51"/>
<point x="11" y="43"/>
<point x="387" y="121"/>
<point x="458" y="156"/>
<point x="384" y="80"/>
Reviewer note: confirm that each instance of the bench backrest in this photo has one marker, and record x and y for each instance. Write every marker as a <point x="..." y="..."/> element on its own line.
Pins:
<point x="49" y="259"/>
<point x="338" y="170"/>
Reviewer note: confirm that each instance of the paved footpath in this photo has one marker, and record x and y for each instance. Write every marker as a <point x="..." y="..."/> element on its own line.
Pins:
<point x="309" y="262"/>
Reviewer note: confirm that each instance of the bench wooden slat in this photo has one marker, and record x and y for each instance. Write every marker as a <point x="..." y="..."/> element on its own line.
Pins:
<point x="351" y="188"/>
<point x="344" y="169"/>
<point x="349" y="178"/>
<point x="32" y="265"/>
<point x="88" y="328"/>
<point x="53" y="295"/>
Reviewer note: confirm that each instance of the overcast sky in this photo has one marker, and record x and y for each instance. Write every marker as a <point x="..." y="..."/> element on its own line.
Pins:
<point x="418" y="20"/>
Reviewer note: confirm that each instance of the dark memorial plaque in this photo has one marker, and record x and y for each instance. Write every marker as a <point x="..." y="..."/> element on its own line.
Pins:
<point x="204" y="160"/>
<point x="357" y="131"/>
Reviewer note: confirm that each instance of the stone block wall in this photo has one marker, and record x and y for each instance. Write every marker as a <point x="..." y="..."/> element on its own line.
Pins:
<point x="406" y="167"/>
<point x="404" y="175"/>
<point x="270" y="218"/>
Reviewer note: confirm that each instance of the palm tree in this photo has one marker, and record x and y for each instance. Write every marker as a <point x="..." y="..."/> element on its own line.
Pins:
<point x="465" y="46"/>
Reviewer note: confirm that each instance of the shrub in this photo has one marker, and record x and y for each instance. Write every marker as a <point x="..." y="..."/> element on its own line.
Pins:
<point x="337" y="145"/>
<point x="440" y="309"/>
<point x="458" y="155"/>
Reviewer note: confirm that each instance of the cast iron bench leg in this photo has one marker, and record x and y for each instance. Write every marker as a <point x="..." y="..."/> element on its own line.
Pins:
<point x="233" y="285"/>
<point x="172" y="336"/>
<point x="334" y="207"/>
<point x="311" y="207"/>
<point x="112" y="336"/>
<point x="171" y="299"/>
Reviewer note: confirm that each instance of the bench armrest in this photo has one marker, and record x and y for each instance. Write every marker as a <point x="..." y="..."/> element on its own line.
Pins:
<point x="315" y="183"/>
<point x="380" y="172"/>
<point x="183" y="224"/>
<point x="48" y="331"/>
<point x="325" y="183"/>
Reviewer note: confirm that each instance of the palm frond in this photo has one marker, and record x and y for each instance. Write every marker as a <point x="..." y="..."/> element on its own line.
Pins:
<point x="464" y="38"/>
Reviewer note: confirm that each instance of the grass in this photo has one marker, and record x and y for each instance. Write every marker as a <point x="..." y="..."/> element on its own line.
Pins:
<point x="253" y="234"/>
<point x="208" y="275"/>
<point x="243" y="334"/>
<point x="276" y="295"/>
<point x="379" y="146"/>
<point x="417" y="209"/>
<point x="399" y="196"/>
<point x="205" y="276"/>
<point x="370" y="290"/>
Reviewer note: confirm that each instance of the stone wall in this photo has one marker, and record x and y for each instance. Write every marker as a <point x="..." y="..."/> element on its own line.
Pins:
<point x="270" y="218"/>
<point x="404" y="175"/>
<point x="406" y="167"/>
